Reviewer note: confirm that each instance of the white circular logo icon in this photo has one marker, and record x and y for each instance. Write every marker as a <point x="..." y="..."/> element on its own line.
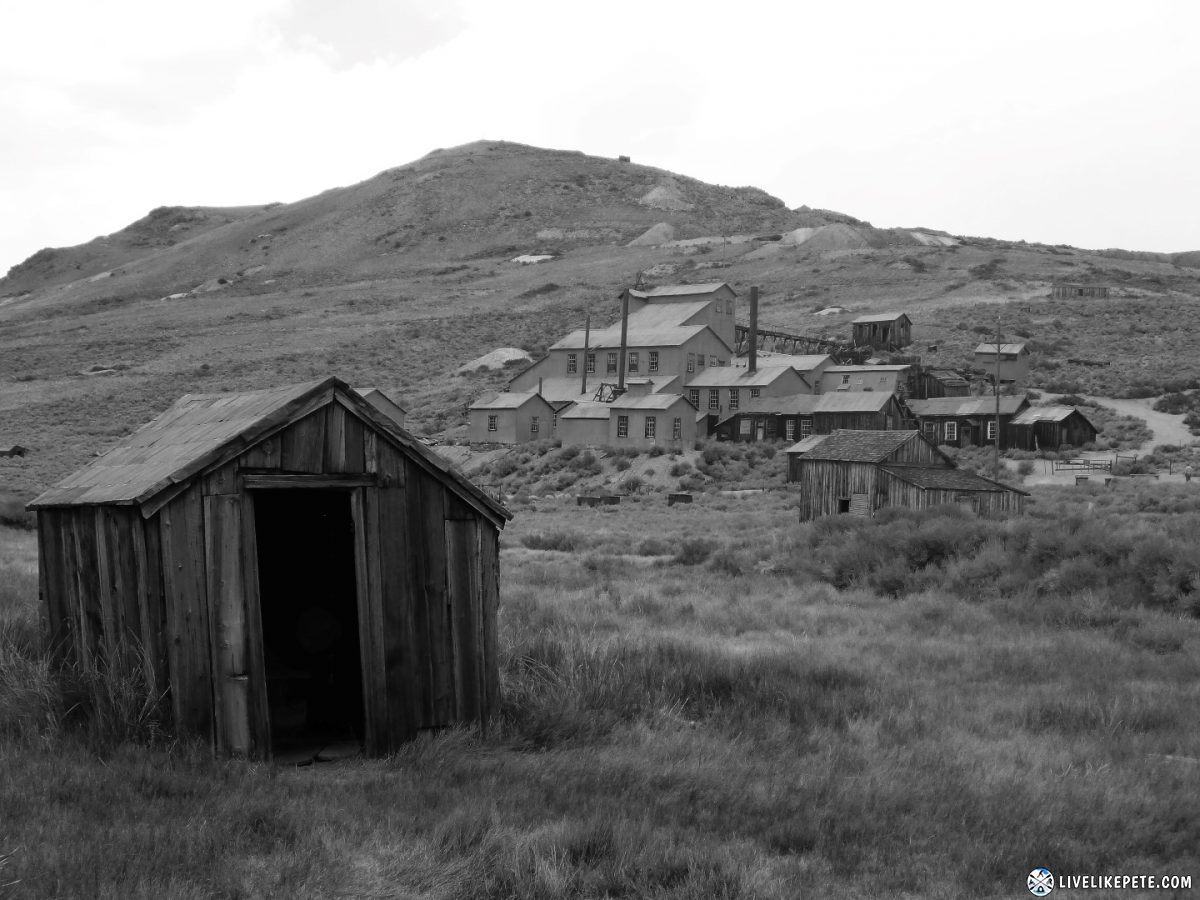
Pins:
<point x="1041" y="882"/>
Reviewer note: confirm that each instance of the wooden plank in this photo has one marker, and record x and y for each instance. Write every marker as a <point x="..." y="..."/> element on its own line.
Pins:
<point x="489" y="570"/>
<point x="369" y="588"/>
<point x="463" y="591"/>
<point x="122" y="523"/>
<point x="51" y="565"/>
<point x="335" y="438"/>
<point x="186" y="597"/>
<point x="304" y="444"/>
<point x="266" y="480"/>
<point x="370" y="451"/>
<point x="91" y="620"/>
<point x="81" y="651"/>
<point x="256" y="667"/>
<point x="397" y="619"/>
<point x="222" y="480"/>
<point x="226" y="595"/>
<point x="263" y="455"/>
<point x="391" y="465"/>
<point x="432" y="510"/>
<point x="148" y="599"/>
<point x="355" y="441"/>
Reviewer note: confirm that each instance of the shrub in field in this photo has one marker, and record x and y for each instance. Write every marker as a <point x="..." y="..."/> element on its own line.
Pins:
<point x="694" y="551"/>
<point x="680" y="469"/>
<point x="559" y="540"/>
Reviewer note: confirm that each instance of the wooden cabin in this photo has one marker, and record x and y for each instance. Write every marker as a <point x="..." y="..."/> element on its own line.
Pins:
<point x="1049" y="428"/>
<point x="1068" y="291"/>
<point x="966" y="421"/>
<point x="289" y="566"/>
<point x="883" y="331"/>
<point x="1012" y="365"/>
<point x="859" y="472"/>
<point x="792" y="418"/>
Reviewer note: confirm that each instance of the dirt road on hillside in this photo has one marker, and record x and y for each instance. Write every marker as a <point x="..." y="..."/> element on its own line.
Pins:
<point x="1167" y="428"/>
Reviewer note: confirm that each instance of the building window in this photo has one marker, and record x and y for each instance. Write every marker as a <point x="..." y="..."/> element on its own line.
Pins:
<point x="845" y="379"/>
<point x="677" y="429"/>
<point x="719" y="307"/>
<point x="733" y="398"/>
<point x="805" y="428"/>
<point x="651" y="426"/>
<point x="729" y="308"/>
<point x="534" y="424"/>
<point x="623" y="426"/>
<point x="755" y="393"/>
<point x="591" y="363"/>
<point x="700" y="359"/>
<point x="492" y="423"/>
<point x="951" y="432"/>
<point x="713" y="361"/>
<point x="653" y="361"/>
<point x="633" y="361"/>
<point x="612" y="363"/>
<point x="554" y="421"/>
<point x="789" y="429"/>
<point x="694" y="396"/>
<point x="714" y="398"/>
<point x="991" y="430"/>
<point x="691" y="362"/>
<point x="772" y="427"/>
<point x="572" y="364"/>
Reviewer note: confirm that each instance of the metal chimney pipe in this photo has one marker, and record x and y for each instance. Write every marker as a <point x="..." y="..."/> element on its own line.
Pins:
<point x="587" y="337"/>
<point x="624" y="338"/>
<point x="754" y="328"/>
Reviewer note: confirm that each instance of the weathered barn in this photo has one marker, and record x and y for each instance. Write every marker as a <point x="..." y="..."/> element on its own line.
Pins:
<point x="1050" y="427"/>
<point x="883" y="331"/>
<point x="288" y="565"/>
<point x="966" y="421"/>
<point x="1068" y="291"/>
<point x="859" y="472"/>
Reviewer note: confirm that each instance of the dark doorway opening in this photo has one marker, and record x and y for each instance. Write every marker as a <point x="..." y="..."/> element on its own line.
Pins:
<point x="309" y="601"/>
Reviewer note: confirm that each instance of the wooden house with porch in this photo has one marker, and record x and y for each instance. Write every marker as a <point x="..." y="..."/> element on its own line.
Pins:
<point x="1049" y="428"/>
<point x="860" y="472"/>
<point x="966" y="421"/>
<point x="288" y="566"/>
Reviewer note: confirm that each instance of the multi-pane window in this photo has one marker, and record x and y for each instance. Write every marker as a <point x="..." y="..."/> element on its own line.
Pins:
<point x="694" y="396"/>
<point x="534" y="424"/>
<point x="931" y="430"/>
<point x="651" y="426"/>
<point x="623" y="426"/>
<point x="491" y="423"/>
<point x="677" y="429"/>
<point x="572" y="364"/>
<point x="991" y="430"/>
<point x="789" y="429"/>
<point x="733" y="398"/>
<point x="951" y="432"/>
<point x="634" y="361"/>
<point x="554" y="421"/>
<point x="805" y="428"/>
<point x="700" y="359"/>
<point x="719" y="306"/>
<point x="845" y="379"/>
<point x="691" y="362"/>
<point x="754" y="393"/>
<point x="612" y="363"/>
<point x="713" y="361"/>
<point x="591" y="363"/>
<point x="653" y="360"/>
<point x="714" y="398"/>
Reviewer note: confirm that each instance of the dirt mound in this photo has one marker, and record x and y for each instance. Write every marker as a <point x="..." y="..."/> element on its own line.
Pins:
<point x="654" y="235"/>
<point x="497" y="359"/>
<point x="665" y="196"/>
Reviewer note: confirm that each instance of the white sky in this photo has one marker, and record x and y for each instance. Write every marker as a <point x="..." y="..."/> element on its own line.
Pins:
<point x="1054" y="121"/>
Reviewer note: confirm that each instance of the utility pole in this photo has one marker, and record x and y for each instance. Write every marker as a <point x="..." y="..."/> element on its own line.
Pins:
<point x="996" y="388"/>
<point x="587" y="336"/>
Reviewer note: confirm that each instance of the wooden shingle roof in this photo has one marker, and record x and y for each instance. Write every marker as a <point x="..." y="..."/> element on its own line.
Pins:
<point x="946" y="479"/>
<point x="202" y="431"/>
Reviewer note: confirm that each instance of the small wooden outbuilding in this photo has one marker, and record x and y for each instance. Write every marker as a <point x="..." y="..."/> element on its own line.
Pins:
<point x="1050" y="427"/>
<point x="859" y="472"/>
<point x="289" y="566"/>
<point x="883" y="331"/>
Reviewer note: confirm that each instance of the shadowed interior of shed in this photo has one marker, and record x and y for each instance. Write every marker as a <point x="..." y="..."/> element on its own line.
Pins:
<point x="309" y="617"/>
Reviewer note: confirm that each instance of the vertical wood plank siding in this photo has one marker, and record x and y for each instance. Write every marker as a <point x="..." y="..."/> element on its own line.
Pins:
<point x="226" y="593"/>
<point x="405" y="651"/>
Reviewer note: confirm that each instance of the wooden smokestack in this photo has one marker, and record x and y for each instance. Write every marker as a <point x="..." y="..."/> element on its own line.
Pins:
<point x="624" y="338"/>
<point x="754" y="329"/>
<point x="587" y="337"/>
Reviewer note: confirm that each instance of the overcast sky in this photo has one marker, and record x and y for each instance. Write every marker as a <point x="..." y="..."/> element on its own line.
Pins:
<point x="1054" y="121"/>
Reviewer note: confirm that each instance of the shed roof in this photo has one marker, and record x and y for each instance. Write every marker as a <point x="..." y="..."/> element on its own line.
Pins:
<point x="200" y="431"/>
<point x="962" y="407"/>
<point x="649" y="401"/>
<point x="862" y="446"/>
<point x="1047" y="414"/>
<point x="806" y="444"/>
<point x="989" y="348"/>
<point x="947" y="479"/>
<point x="880" y="317"/>
<point x="728" y="376"/>
<point x="586" y="409"/>
<point x="636" y="337"/>
<point x="882" y="367"/>
<point x="801" y="362"/>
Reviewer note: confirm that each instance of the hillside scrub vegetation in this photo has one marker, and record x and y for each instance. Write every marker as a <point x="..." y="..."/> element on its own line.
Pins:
<point x="707" y="700"/>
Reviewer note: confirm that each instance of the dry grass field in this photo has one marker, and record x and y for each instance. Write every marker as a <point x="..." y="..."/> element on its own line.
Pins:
<point x="699" y="701"/>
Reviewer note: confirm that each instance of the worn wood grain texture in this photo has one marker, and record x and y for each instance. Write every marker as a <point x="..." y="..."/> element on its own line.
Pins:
<point x="391" y="464"/>
<point x="91" y="626"/>
<point x="304" y="444"/>
<point x="226" y="592"/>
<point x="405" y="653"/>
<point x="263" y="455"/>
<point x="335" y="438"/>
<point x="355" y="437"/>
<point x="463" y="588"/>
<point x="371" y="637"/>
<point x="256" y="669"/>
<point x="186" y="594"/>
<point x="489" y="565"/>
<point x="432" y="512"/>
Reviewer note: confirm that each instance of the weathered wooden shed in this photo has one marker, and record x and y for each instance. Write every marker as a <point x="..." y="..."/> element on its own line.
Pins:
<point x="858" y="472"/>
<point x="1050" y="427"/>
<point x="883" y="331"/>
<point x="288" y="565"/>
